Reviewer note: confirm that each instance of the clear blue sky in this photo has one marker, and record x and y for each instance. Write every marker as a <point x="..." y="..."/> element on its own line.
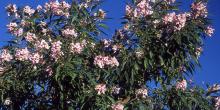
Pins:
<point x="210" y="60"/>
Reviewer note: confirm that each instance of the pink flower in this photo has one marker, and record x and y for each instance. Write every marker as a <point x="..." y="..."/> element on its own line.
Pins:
<point x="106" y="42"/>
<point x="114" y="62"/>
<point x="24" y="23"/>
<point x="115" y="90"/>
<point x="209" y="31"/>
<point x="217" y="103"/>
<point x="100" y="88"/>
<point x="35" y="58"/>
<point x="143" y="93"/>
<point x="49" y="70"/>
<point x="27" y="10"/>
<point x="115" y="48"/>
<point x="76" y="48"/>
<point x="177" y="21"/>
<point x="18" y="32"/>
<point x="22" y="54"/>
<point x="102" y="61"/>
<point x="5" y="56"/>
<point x="84" y="42"/>
<point x="181" y="85"/>
<point x="58" y="8"/>
<point x="128" y="10"/>
<point x="11" y="9"/>
<point x="30" y="37"/>
<point x="199" y="9"/>
<point x="83" y="5"/>
<point x="42" y="45"/>
<point x="39" y="7"/>
<point x="99" y="61"/>
<point x="180" y="21"/>
<point x="45" y="31"/>
<point x="117" y="106"/>
<point x="169" y="18"/>
<point x="143" y="9"/>
<point x="69" y="32"/>
<point x="56" y="50"/>
<point x="53" y="6"/>
<point x="12" y="26"/>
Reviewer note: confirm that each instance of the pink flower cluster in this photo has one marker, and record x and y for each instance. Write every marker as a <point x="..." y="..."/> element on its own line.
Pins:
<point x="39" y="8"/>
<point x="25" y="55"/>
<point x="180" y="21"/>
<point x="18" y="32"/>
<point x="199" y="9"/>
<point x="209" y="31"/>
<point x="115" y="48"/>
<point x="106" y="42"/>
<point x="115" y="90"/>
<point x="12" y="26"/>
<point x="169" y="18"/>
<point x="177" y="20"/>
<point x="58" y="8"/>
<point x="5" y="56"/>
<point x="28" y="10"/>
<point x="117" y="106"/>
<point x="217" y="103"/>
<point x="69" y="32"/>
<point x="35" y="58"/>
<point x="12" y="9"/>
<point x="14" y="29"/>
<point x="30" y="37"/>
<point x="76" y="48"/>
<point x="142" y="9"/>
<point x="24" y="23"/>
<point x="128" y="10"/>
<point x="181" y="85"/>
<point x="101" y="89"/>
<point x="41" y="45"/>
<point x="56" y="50"/>
<point x="22" y="54"/>
<point x="102" y="61"/>
<point x="143" y="92"/>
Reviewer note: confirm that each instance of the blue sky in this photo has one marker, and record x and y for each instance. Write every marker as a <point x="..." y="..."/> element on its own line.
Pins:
<point x="210" y="60"/>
